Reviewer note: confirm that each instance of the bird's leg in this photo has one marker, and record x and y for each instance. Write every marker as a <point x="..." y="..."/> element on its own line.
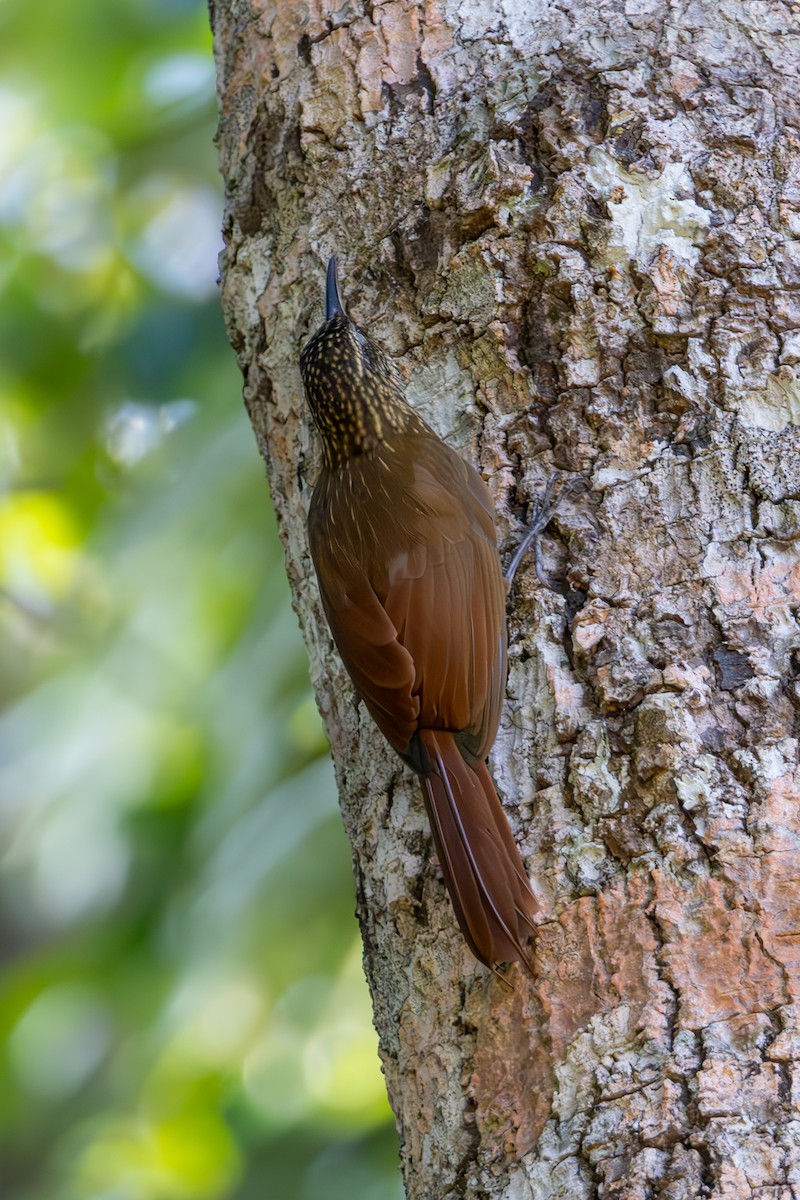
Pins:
<point x="498" y="974"/>
<point x="542" y="510"/>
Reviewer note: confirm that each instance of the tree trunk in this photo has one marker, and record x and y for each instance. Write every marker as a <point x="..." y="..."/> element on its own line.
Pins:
<point x="571" y="224"/>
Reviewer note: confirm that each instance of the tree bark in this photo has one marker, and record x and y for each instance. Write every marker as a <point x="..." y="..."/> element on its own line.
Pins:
<point x="573" y="226"/>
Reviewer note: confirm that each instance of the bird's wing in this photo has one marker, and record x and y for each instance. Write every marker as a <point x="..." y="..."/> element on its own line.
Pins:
<point x="379" y="666"/>
<point x="446" y="599"/>
<point x="418" y="614"/>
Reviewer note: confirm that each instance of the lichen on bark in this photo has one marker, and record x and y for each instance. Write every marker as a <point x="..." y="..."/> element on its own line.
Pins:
<point x="576" y="229"/>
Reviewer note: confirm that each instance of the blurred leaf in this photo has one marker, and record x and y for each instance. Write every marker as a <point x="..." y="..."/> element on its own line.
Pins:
<point x="182" y="1009"/>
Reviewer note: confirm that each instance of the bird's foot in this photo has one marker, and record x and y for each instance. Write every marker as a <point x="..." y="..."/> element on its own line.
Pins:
<point x="542" y="510"/>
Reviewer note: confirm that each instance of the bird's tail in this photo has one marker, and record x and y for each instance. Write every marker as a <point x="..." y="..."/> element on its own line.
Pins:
<point x="479" y="858"/>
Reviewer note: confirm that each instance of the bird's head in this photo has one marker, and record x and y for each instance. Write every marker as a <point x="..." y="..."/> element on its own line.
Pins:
<point x="353" y="389"/>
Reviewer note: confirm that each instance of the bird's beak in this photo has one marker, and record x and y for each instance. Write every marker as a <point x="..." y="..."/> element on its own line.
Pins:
<point x="333" y="297"/>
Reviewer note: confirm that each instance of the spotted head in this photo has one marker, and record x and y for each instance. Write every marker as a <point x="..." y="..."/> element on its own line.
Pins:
<point x="353" y="389"/>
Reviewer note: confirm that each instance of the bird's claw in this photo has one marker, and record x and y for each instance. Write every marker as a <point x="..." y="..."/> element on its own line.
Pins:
<point x="542" y="510"/>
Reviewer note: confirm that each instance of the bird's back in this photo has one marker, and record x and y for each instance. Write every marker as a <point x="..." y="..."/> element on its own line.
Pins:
<point x="412" y="525"/>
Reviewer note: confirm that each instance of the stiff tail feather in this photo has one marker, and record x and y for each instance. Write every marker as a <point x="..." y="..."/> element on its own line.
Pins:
<point x="482" y="868"/>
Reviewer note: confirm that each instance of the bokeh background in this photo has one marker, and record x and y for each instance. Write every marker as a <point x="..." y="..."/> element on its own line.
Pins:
<point x="182" y="1008"/>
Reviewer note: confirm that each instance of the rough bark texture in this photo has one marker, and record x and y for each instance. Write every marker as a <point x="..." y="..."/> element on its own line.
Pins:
<point x="573" y="226"/>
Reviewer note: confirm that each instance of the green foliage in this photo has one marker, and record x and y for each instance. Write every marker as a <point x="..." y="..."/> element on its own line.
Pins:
<point x="182" y="1010"/>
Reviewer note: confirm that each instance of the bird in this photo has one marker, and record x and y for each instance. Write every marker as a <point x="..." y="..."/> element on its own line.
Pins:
<point x="402" y="536"/>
